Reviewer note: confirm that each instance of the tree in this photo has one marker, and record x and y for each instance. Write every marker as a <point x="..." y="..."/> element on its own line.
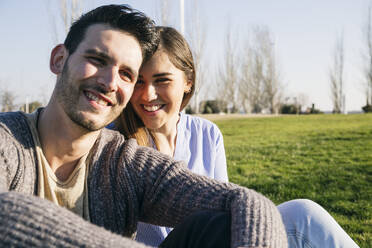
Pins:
<point x="7" y="99"/>
<point x="367" y="31"/>
<point x="260" y="85"/>
<point x="336" y="76"/>
<point x="251" y="84"/>
<point x="69" y="11"/>
<point x="197" y="33"/>
<point x="272" y="85"/>
<point x="228" y="76"/>
<point x="164" y="9"/>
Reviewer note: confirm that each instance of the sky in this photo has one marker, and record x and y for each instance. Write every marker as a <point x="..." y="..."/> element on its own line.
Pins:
<point x="305" y="34"/>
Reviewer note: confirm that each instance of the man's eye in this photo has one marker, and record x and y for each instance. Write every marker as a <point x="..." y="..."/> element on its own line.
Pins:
<point x="97" y="61"/>
<point x="126" y="76"/>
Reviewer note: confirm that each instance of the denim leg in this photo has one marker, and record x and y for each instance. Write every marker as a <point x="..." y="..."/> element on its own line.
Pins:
<point x="309" y="225"/>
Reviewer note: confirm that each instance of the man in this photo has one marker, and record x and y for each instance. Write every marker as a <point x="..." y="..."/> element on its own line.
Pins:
<point x="63" y="154"/>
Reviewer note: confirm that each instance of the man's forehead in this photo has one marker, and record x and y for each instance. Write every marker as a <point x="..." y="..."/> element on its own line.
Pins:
<point x="97" y="33"/>
<point x="98" y="36"/>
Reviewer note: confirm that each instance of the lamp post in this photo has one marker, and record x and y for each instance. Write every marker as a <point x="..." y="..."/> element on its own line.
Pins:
<point x="182" y="16"/>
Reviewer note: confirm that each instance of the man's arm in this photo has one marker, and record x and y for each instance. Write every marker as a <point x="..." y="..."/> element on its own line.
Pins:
<point x="28" y="221"/>
<point x="17" y="154"/>
<point x="172" y="193"/>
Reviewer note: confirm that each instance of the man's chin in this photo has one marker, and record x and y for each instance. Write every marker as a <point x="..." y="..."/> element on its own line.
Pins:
<point x="89" y="122"/>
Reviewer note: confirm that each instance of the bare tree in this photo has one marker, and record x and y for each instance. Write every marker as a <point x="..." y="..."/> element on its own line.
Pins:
<point x="302" y="100"/>
<point x="336" y="76"/>
<point x="7" y="99"/>
<point x="197" y="35"/>
<point x="163" y="10"/>
<point x="260" y="86"/>
<point x="69" y="11"/>
<point x="228" y="75"/>
<point x="251" y="88"/>
<point x="367" y="31"/>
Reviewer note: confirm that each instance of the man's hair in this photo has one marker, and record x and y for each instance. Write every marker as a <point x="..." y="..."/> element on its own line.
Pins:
<point x="121" y="17"/>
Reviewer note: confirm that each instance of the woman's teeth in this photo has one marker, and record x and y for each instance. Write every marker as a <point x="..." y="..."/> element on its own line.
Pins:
<point x="151" y="108"/>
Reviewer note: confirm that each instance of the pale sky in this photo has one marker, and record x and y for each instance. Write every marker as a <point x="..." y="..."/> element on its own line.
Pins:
<point x="305" y="34"/>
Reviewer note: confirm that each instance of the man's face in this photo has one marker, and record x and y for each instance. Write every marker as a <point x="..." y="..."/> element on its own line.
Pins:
<point x="97" y="80"/>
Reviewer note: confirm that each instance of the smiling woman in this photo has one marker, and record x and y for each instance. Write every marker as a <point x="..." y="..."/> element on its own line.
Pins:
<point x="154" y="118"/>
<point x="165" y="86"/>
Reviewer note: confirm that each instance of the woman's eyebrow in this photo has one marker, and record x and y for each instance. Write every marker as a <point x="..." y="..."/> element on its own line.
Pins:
<point x="162" y="74"/>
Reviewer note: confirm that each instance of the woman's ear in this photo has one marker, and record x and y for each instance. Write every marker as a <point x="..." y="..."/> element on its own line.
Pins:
<point x="58" y="58"/>
<point x="188" y="87"/>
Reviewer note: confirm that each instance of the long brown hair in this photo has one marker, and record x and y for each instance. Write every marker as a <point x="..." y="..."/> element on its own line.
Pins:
<point x="179" y="53"/>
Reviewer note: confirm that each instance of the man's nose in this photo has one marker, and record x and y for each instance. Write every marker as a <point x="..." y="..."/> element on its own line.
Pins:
<point x="149" y="94"/>
<point x="109" y="79"/>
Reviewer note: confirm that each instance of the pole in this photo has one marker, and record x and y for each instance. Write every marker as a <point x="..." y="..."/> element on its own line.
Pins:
<point x="182" y="16"/>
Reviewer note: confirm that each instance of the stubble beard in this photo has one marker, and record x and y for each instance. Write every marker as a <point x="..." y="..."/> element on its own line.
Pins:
<point x="68" y="94"/>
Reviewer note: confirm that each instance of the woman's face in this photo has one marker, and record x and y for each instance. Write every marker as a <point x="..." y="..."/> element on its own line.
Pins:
<point x="158" y="93"/>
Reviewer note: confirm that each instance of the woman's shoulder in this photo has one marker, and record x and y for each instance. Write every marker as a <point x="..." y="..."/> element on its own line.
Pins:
<point x="199" y="124"/>
<point x="198" y="121"/>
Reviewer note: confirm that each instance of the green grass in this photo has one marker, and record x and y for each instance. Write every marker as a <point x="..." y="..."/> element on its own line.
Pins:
<point x="325" y="158"/>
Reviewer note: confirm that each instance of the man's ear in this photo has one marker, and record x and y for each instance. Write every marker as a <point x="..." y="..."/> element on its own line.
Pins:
<point x="58" y="57"/>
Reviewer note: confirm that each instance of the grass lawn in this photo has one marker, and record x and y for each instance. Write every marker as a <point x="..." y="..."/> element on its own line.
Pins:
<point x="325" y="158"/>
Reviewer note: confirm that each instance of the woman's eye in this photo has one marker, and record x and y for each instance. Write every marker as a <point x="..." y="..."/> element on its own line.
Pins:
<point x="163" y="80"/>
<point x="139" y="83"/>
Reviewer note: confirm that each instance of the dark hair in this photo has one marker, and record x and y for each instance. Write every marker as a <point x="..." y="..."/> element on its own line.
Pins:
<point x="121" y="17"/>
<point x="179" y="53"/>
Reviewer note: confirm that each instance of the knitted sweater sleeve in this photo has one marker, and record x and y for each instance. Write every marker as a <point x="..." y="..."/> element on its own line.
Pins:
<point x="17" y="157"/>
<point x="171" y="192"/>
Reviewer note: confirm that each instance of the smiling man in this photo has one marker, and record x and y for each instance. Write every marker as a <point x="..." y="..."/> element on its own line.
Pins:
<point x="68" y="182"/>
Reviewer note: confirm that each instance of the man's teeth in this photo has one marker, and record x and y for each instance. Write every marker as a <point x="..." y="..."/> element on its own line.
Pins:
<point x="96" y="99"/>
<point x="151" y="108"/>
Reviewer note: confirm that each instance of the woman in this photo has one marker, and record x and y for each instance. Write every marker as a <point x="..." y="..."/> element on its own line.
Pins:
<point x="154" y="118"/>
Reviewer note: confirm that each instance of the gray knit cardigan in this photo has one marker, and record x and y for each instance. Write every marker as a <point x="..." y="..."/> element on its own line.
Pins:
<point x="126" y="184"/>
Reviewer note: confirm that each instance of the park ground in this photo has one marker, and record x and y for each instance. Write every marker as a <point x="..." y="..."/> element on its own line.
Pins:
<point x="325" y="158"/>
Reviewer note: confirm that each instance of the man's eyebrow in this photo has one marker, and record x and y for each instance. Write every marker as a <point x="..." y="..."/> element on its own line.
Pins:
<point x="108" y="58"/>
<point x="99" y="54"/>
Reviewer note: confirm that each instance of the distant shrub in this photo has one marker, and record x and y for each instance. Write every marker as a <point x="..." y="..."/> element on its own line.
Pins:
<point x="313" y="110"/>
<point x="212" y="107"/>
<point x="189" y="110"/>
<point x="32" y="106"/>
<point x="289" y="109"/>
<point x="367" y="108"/>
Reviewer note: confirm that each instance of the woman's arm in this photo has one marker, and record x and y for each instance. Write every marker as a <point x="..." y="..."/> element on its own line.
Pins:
<point x="220" y="171"/>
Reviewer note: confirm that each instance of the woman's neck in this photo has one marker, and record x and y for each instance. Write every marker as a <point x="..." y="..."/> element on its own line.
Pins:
<point x="166" y="136"/>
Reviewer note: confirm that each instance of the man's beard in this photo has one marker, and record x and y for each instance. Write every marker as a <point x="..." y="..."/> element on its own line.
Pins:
<point x="68" y="95"/>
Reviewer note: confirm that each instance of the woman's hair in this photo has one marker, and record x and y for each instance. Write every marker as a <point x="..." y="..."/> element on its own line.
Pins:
<point x="179" y="53"/>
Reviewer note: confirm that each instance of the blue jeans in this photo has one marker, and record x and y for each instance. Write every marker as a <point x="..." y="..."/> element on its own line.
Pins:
<point x="308" y="225"/>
